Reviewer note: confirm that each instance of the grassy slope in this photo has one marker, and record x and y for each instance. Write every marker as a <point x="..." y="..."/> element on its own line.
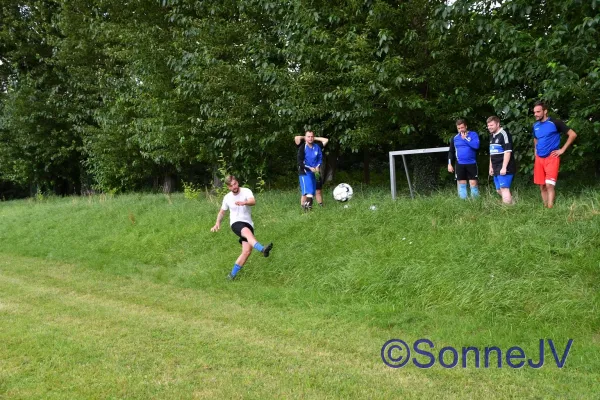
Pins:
<point x="126" y="297"/>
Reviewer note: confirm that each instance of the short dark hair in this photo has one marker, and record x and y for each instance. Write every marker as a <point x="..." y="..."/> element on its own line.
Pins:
<point x="461" y="121"/>
<point x="229" y="179"/>
<point x="541" y="104"/>
<point x="493" y="118"/>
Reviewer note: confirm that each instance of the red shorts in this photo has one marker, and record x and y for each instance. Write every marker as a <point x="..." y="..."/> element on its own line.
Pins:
<point x="545" y="170"/>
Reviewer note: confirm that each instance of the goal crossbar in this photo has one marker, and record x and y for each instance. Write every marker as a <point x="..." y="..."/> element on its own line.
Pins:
<point x="403" y="153"/>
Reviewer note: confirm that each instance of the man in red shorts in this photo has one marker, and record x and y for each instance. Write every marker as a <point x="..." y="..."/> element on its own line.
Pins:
<point x="546" y="138"/>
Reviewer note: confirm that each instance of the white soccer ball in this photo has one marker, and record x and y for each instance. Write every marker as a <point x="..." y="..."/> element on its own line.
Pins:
<point x="342" y="192"/>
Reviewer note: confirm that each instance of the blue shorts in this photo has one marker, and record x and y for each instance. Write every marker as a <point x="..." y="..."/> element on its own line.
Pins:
<point x="503" y="181"/>
<point x="308" y="183"/>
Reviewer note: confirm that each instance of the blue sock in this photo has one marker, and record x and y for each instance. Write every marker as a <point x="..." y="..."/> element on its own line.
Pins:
<point x="236" y="269"/>
<point x="462" y="190"/>
<point x="258" y="246"/>
<point x="474" y="191"/>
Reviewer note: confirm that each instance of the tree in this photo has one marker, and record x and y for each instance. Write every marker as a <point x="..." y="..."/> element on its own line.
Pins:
<point x="38" y="145"/>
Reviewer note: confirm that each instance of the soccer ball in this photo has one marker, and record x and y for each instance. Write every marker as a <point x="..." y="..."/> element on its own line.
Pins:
<point x="342" y="192"/>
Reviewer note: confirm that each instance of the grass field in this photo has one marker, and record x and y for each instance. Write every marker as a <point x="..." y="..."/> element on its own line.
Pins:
<point x="126" y="297"/>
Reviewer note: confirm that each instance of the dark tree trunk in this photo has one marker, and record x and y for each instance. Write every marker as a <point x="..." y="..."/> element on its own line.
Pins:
<point x="331" y="166"/>
<point x="167" y="186"/>
<point x="33" y="189"/>
<point x="216" y="181"/>
<point x="366" y="166"/>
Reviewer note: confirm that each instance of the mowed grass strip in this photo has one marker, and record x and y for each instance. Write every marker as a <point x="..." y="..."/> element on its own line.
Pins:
<point x="72" y="332"/>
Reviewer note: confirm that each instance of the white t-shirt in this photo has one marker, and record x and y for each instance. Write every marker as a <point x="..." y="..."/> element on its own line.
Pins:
<point x="238" y="213"/>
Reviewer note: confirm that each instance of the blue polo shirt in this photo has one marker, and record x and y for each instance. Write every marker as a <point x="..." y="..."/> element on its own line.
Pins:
<point x="547" y="134"/>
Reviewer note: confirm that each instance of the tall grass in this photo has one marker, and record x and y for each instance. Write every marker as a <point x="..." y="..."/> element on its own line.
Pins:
<point x="475" y="257"/>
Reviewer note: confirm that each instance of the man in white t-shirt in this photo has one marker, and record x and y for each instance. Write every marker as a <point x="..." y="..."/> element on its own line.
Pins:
<point x="238" y="201"/>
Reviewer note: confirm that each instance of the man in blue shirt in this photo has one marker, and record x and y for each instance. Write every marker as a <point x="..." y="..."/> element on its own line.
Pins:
<point x="463" y="149"/>
<point x="321" y="142"/>
<point x="546" y="138"/>
<point x="309" y="160"/>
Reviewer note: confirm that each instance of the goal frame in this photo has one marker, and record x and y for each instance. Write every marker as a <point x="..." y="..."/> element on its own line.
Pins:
<point x="404" y="153"/>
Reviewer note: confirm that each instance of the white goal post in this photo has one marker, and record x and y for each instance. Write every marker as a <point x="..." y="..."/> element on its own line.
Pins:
<point x="403" y="153"/>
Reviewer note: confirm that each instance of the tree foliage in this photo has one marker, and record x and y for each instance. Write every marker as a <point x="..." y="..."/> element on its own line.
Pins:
<point x="37" y="143"/>
<point x="122" y="94"/>
<point x="534" y="51"/>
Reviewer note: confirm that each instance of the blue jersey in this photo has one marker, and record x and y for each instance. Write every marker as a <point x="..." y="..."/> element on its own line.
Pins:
<point x="313" y="157"/>
<point x="547" y="134"/>
<point x="464" y="150"/>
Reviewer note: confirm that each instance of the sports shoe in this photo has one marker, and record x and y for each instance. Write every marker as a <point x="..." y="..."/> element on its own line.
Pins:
<point x="309" y="203"/>
<point x="230" y="277"/>
<point x="267" y="249"/>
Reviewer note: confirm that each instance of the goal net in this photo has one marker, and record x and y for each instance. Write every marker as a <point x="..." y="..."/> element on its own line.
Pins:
<point x="404" y="153"/>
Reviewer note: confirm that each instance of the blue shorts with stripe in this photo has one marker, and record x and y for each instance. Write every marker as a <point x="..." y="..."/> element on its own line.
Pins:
<point x="308" y="183"/>
<point x="503" y="181"/>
